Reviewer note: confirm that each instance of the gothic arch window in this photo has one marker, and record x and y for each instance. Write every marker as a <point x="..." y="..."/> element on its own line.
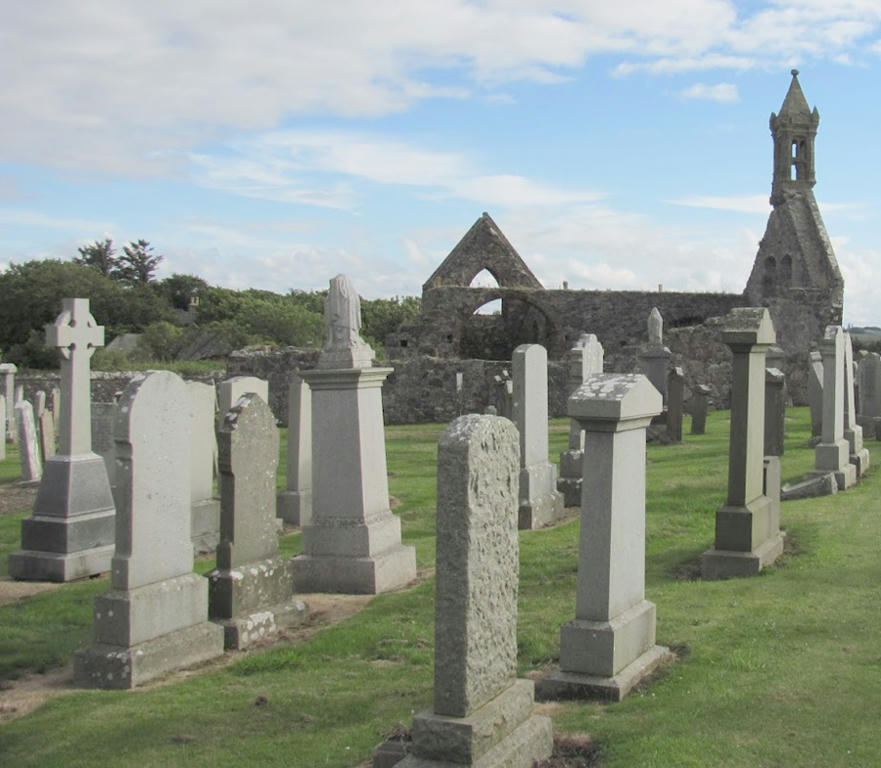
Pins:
<point x="484" y="279"/>
<point x="786" y="270"/>
<point x="769" y="274"/>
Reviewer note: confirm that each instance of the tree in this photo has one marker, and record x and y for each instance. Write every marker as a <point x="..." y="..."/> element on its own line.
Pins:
<point x="99" y="255"/>
<point x="180" y="289"/>
<point x="136" y="263"/>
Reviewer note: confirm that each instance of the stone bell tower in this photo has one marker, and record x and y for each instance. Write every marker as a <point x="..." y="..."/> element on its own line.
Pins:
<point x="794" y="130"/>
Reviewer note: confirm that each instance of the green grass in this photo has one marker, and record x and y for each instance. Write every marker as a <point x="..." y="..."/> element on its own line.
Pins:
<point x="779" y="670"/>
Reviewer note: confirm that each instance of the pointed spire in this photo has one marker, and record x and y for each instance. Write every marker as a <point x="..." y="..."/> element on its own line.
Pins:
<point x="795" y="105"/>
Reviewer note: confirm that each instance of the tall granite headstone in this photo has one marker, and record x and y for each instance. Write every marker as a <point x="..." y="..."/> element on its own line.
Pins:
<point x="775" y="411"/>
<point x="816" y="376"/>
<point x="28" y="444"/>
<point x="353" y="543"/>
<point x="295" y="502"/>
<point x="154" y="619"/>
<point x="7" y="371"/>
<point x="748" y="533"/>
<point x="204" y="506"/>
<point x="585" y="358"/>
<point x="675" y="404"/>
<point x="540" y="501"/>
<point x="832" y="454"/>
<point x="482" y="714"/>
<point x="71" y="533"/>
<point x="251" y="589"/>
<point x="853" y="432"/>
<point x="699" y="396"/>
<point x="610" y="645"/>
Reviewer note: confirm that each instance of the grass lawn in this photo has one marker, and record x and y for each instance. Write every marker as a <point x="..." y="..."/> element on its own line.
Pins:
<point x="783" y="669"/>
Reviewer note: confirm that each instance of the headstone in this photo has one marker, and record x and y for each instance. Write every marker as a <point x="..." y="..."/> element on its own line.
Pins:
<point x="2" y="426"/>
<point x="654" y="358"/>
<point x="775" y="411"/>
<point x="204" y="506"/>
<point x="70" y="535"/>
<point x="103" y="444"/>
<point x="39" y="404"/>
<point x="675" y="402"/>
<point x="7" y="371"/>
<point x="540" y="501"/>
<point x="353" y="543"/>
<point x="610" y="645"/>
<point x="47" y="435"/>
<point x="699" y="396"/>
<point x="869" y="376"/>
<point x="230" y="390"/>
<point x="28" y="444"/>
<point x="56" y="406"/>
<point x="748" y="536"/>
<point x="19" y="393"/>
<point x="482" y="714"/>
<point x="815" y="394"/>
<point x="832" y="454"/>
<point x="295" y="502"/>
<point x="154" y="618"/>
<point x="853" y="432"/>
<point x="585" y="359"/>
<point x="251" y="589"/>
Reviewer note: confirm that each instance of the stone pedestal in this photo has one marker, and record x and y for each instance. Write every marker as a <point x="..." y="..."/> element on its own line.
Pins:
<point x="832" y="454"/>
<point x="251" y="593"/>
<point x="294" y="504"/>
<point x="154" y="618"/>
<point x="747" y="537"/>
<point x="482" y="714"/>
<point x="610" y="645"/>
<point x="540" y="501"/>
<point x="353" y="544"/>
<point x="71" y="533"/>
<point x="654" y="362"/>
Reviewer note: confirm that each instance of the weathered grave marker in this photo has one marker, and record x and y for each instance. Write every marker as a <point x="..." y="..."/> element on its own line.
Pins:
<point x="815" y="395"/>
<point x="699" y="395"/>
<point x="832" y="454"/>
<point x="204" y="507"/>
<point x="230" y="390"/>
<point x="7" y="371"/>
<point x="295" y="502"/>
<point x="28" y="444"/>
<point x="853" y="432"/>
<point x="775" y="411"/>
<point x="675" y="403"/>
<point x="654" y="358"/>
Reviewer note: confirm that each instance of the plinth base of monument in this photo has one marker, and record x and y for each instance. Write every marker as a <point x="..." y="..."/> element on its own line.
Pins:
<point x="294" y="507"/>
<point x="540" y="502"/>
<point x="504" y="731"/>
<point x="572" y="685"/>
<point x="846" y="477"/>
<point x="814" y="484"/>
<point x="860" y="460"/>
<point x="729" y="564"/>
<point x="244" y="631"/>
<point x="111" y="666"/>
<point x="205" y="525"/>
<point x="30" y="565"/>
<point x="355" y="575"/>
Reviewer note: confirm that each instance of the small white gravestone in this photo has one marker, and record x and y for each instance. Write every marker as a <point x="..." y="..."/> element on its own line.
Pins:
<point x="540" y="501"/>
<point x="230" y="390"/>
<point x="610" y="645"/>
<point x="154" y="619"/>
<point x="70" y="535"/>
<point x="7" y="371"/>
<point x="28" y="444"/>
<point x="294" y="504"/>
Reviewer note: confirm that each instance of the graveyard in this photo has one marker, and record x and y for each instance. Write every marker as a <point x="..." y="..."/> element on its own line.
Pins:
<point x="780" y="669"/>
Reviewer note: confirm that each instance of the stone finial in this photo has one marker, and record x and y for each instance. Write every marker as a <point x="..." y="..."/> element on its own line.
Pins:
<point x="656" y="327"/>
<point x="344" y="347"/>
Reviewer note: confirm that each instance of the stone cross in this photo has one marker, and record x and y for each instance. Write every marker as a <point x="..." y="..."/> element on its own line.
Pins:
<point x="479" y="704"/>
<point x="77" y="336"/>
<point x="540" y="501"/>
<point x="747" y="534"/>
<point x="7" y="370"/>
<point x="251" y="590"/>
<point x="610" y="645"/>
<point x="295" y="502"/>
<point x="28" y="445"/>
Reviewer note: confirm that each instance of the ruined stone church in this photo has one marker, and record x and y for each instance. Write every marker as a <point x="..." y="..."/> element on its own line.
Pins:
<point x="795" y="275"/>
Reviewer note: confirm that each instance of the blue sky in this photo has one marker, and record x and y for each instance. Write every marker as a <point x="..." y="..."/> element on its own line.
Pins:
<point x="275" y="144"/>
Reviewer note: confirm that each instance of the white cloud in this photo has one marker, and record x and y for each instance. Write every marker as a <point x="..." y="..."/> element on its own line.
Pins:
<point x="19" y="218"/>
<point x="741" y="204"/>
<point x="724" y="92"/>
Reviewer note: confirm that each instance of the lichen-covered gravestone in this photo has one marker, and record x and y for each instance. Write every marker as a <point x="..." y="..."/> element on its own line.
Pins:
<point x="482" y="714"/>
<point x="154" y="619"/>
<point x="70" y="535"/>
<point x="585" y="359"/>
<point x="832" y="453"/>
<point x="540" y="501"/>
<point x="251" y="589"/>
<point x="748" y="533"/>
<point x="28" y="444"/>
<point x="353" y="544"/>
<point x="295" y="502"/>
<point x="610" y="645"/>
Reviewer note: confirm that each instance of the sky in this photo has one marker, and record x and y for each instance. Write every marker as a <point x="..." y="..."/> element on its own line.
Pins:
<point x="276" y="143"/>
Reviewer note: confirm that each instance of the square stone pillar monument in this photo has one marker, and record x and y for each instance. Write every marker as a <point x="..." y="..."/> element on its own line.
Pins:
<point x="675" y="404"/>
<point x="585" y="359"/>
<point x="7" y="371"/>
<point x="154" y="618"/>
<point x="295" y="502"/>
<point x="832" y="454"/>
<point x="816" y="376"/>
<point x="353" y="544"/>
<point x="748" y="533"/>
<point x="610" y="645"/>
<point x="540" y="501"/>
<point x="654" y="358"/>
<point x="482" y="714"/>
<point x="71" y="533"/>
<point x="853" y="432"/>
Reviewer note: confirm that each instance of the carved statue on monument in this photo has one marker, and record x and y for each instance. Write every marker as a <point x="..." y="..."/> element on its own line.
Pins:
<point x="656" y="328"/>
<point x="344" y="347"/>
